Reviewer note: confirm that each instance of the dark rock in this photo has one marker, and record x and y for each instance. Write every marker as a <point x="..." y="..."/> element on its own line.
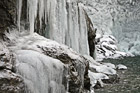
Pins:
<point x="91" y="35"/>
<point x="7" y="14"/>
<point x="10" y="82"/>
<point x="112" y="79"/>
<point x="98" y="85"/>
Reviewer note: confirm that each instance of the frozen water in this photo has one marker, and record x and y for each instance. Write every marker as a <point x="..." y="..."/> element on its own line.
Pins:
<point x="41" y="73"/>
<point x="64" y="21"/>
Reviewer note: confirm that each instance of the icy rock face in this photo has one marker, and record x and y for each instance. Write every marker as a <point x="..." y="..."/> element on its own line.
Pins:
<point x="9" y="81"/>
<point x="61" y="20"/>
<point x="119" y="18"/>
<point x="77" y="65"/>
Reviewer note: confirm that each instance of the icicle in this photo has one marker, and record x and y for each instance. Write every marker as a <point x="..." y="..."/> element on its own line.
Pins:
<point x="32" y="5"/>
<point x="19" y="13"/>
<point x="41" y="11"/>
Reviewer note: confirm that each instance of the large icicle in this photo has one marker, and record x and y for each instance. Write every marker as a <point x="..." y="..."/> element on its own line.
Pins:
<point x="32" y="6"/>
<point x="19" y="13"/>
<point x="76" y="36"/>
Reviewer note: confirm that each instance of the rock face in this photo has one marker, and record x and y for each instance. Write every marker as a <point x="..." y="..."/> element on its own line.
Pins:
<point x="9" y="81"/>
<point x="7" y="14"/>
<point x="91" y="35"/>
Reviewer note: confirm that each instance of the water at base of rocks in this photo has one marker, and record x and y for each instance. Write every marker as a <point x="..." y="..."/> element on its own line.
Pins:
<point x="129" y="79"/>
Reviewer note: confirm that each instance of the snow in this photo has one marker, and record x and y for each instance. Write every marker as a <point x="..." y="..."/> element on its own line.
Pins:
<point x="92" y="61"/>
<point x="98" y="76"/>
<point x="36" y="42"/>
<point x="109" y="65"/>
<point x="107" y="47"/>
<point x="121" y="67"/>
<point x="104" y="69"/>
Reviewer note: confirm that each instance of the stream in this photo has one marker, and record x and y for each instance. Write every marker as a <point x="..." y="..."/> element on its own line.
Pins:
<point x="129" y="79"/>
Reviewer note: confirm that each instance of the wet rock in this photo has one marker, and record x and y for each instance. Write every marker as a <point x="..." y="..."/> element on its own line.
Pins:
<point x="91" y="35"/>
<point x="99" y="84"/>
<point x="7" y="14"/>
<point x="10" y="82"/>
<point x="112" y="79"/>
<point x="6" y="59"/>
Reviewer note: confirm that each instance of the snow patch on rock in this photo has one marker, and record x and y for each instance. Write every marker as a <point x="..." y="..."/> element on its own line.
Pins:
<point x="106" y="47"/>
<point x="121" y="67"/>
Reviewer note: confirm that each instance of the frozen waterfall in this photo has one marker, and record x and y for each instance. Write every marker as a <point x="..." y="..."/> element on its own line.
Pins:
<point x="42" y="74"/>
<point x="60" y="20"/>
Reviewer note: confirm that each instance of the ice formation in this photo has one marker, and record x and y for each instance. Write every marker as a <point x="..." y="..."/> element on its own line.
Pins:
<point x="32" y="53"/>
<point x="42" y="74"/>
<point x="64" y="22"/>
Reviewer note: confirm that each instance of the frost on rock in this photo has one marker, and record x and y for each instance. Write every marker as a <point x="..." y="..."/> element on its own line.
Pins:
<point x="107" y="47"/>
<point x="16" y="84"/>
<point x="9" y="81"/>
<point x="95" y="77"/>
<point x="101" y="73"/>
